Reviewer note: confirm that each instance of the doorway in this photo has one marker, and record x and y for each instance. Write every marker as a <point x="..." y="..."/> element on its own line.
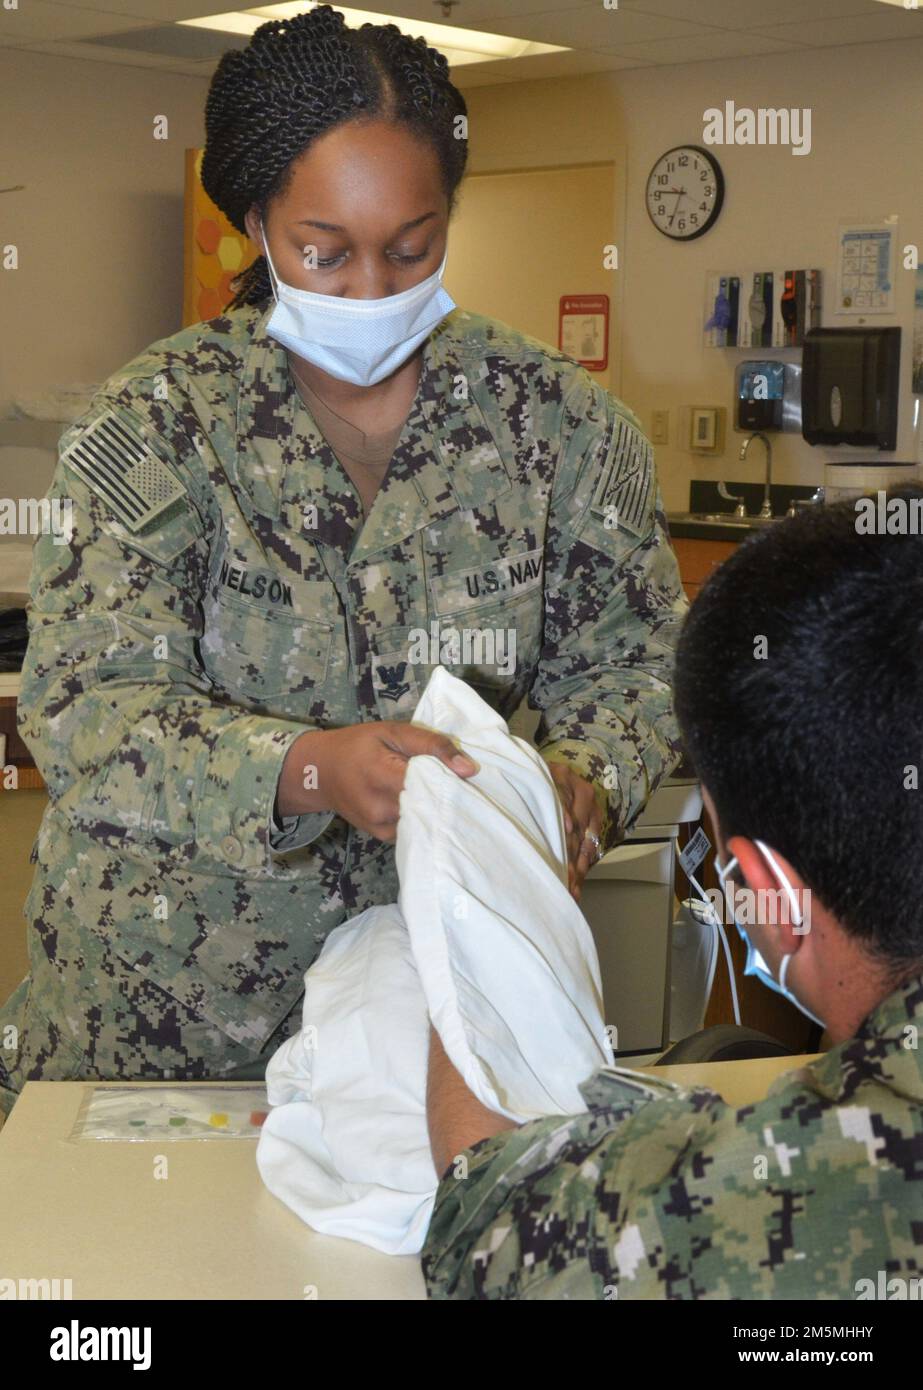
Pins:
<point x="519" y="240"/>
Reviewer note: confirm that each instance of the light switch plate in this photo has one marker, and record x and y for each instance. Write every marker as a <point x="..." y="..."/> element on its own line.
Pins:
<point x="706" y="429"/>
<point x="660" y="427"/>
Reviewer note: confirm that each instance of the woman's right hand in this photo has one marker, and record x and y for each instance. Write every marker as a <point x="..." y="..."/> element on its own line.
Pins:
<point x="360" y="771"/>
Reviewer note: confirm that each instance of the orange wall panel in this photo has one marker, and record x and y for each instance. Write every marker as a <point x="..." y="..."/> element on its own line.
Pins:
<point x="213" y="251"/>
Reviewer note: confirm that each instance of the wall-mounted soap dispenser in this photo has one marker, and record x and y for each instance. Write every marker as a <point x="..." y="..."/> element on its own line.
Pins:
<point x="850" y="386"/>
<point x="768" y="396"/>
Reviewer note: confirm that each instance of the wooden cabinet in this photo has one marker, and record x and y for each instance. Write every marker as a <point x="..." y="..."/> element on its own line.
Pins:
<point x="697" y="559"/>
<point x="15" y="752"/>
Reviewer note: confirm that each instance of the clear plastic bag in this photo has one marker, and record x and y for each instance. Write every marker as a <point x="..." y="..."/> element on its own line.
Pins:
<point x="168" y="1113"/>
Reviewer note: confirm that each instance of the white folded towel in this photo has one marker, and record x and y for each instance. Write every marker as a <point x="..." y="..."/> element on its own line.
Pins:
<point x="486" y="941"/>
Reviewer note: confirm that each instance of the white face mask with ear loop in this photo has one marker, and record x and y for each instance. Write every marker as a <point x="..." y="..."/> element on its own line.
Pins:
<point x="356" y="340"/>
<point x="755" y="964"/>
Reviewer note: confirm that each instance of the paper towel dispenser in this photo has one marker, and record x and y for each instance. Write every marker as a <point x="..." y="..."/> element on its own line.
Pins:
<point x="849" y="386"/>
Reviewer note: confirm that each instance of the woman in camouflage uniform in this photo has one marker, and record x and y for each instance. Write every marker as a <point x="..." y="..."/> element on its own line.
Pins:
<point x="267" y="560"/>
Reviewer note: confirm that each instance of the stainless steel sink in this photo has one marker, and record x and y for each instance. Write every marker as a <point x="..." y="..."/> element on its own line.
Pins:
<point x="720" y="519"/>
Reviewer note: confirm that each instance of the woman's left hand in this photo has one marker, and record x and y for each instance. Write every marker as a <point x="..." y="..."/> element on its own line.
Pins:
<point x="582" y="820"/>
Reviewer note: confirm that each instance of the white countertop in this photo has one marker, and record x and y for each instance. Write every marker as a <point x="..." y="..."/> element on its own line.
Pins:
<point x="93" y="1211"/>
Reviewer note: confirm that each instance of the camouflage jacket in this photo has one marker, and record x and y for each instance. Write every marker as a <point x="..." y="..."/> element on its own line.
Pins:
<point x="660" y="1191"/>
<point x="218" y="592"/>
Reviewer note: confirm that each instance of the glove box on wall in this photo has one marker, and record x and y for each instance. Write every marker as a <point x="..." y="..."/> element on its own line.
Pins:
<point x="850" y="385"/>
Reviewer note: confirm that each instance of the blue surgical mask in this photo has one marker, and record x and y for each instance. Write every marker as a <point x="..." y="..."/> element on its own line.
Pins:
<point x="357" y="340"/>
<point x="756" y="965"/>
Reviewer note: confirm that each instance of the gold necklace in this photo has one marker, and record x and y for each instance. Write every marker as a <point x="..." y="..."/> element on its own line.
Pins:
<point x="328" y="406"/>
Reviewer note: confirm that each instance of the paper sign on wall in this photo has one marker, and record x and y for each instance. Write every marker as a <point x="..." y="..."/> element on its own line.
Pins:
<point x="583" y="329"/>
<point x="865" y="269"/>
<point x="917" y="379"/>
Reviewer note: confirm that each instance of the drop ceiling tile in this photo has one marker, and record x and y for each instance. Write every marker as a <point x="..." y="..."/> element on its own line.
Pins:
<point x="152" y="11"/>
<point x="185" y="43"/>
<point x="593" y="27"/>
<point x="88" y="53"/>
<point x="542" y="65"/>
<point x="889" y="23"/>
<point x="43" y="19"/>
<point x="753" y="14"/>
<point x="193" y="69"/>
<point x="703" y="48"/>
<point x="478" y="14"/>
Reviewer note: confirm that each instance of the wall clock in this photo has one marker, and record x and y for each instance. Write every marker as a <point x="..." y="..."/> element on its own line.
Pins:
<point x="685" y="190"/>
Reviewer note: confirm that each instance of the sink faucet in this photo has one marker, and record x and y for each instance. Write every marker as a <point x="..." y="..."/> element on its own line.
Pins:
<point x="766" y="508"/>
<point x="740" y="510"/>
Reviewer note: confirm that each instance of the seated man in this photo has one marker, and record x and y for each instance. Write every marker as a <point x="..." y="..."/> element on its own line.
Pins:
<point x="799" y="689"/>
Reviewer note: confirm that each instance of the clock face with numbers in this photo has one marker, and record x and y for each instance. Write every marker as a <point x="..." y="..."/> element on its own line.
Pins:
<point x="685" y="190"/>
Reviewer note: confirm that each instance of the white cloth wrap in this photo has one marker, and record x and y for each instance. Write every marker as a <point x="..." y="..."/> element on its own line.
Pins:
<point x="486" y="941"/>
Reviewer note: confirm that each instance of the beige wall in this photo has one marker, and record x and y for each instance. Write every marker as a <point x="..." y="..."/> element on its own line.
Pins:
<point x="99" y="226"/>
<point x="780" y="208"/>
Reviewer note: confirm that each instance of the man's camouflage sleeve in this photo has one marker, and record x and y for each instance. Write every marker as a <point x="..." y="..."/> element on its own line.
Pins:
<point x="527" y="1215"/>
<point x="115" y="706"/>
<point x="661" y="1191"/>
<point x="614" y="605"/>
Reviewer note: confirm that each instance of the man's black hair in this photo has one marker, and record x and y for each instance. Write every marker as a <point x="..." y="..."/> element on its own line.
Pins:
<point x="799" y="690"/>
<point x="296" y="80"/>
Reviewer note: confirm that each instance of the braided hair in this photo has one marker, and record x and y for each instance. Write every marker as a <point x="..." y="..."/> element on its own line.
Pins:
<point x="299" y="78"/>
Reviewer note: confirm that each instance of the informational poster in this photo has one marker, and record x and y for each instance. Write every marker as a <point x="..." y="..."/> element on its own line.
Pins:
<point x="917" y="379"/>
<point x="583" y="329"/>
<point x="865" y="269"/>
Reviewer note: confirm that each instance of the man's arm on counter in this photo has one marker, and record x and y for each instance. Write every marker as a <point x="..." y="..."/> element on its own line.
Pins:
<point x="456" y="1117"/>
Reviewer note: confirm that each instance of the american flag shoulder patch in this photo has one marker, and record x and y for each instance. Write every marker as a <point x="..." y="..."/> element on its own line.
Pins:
<point x="625" y="487"/>
<point x="121" y="468"/>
